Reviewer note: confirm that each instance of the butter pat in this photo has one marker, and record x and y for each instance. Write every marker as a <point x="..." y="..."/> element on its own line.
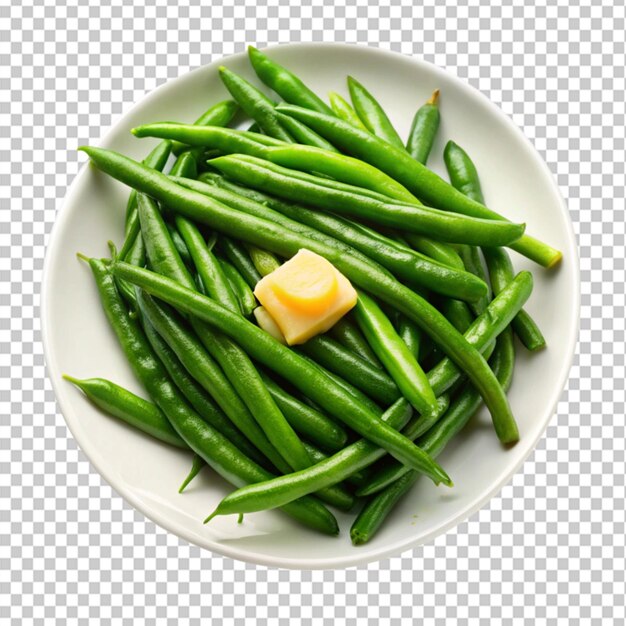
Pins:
<point x="267" y="323"/>
<point x="305" y="296"/>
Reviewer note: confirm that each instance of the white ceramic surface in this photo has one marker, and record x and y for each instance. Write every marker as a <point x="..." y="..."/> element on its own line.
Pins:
<point x="79" y="342"/>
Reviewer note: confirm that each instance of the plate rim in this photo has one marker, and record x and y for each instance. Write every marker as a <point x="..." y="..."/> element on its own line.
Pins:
<point x="362" y="554"/>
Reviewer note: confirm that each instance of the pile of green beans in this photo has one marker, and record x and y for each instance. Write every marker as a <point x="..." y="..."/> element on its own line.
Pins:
<point x="352" y="415"/>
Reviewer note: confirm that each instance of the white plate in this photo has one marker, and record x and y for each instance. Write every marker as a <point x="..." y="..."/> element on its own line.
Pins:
<point x="79" y="342"/>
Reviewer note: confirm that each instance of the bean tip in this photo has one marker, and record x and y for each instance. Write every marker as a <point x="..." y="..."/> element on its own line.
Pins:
<point x="83" y="257"/>
<point x="555" y="260"/>
<point x="210" y="517"/>
<point x="434" y="98"/>
<point x="358" y="538"/>
<point x="71" y="379"/>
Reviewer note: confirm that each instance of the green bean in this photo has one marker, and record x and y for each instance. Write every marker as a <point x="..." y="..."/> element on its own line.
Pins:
<point x="271" y="494"/>
<point x="303" y="134"/>
<point x="201" y="366"/>
<point x="241" y="260"/>
<point x="255" y="104"/>
<point x="424" y="129"/>
<point x="359" y="269"/>
<point x="184" y="167"/>
<point x="438" y="224"/>
<point x="207" y="266"/>
<point x="198" y="398"/>
<point x="318" y="179"/>
<point x="388" y="470"/>
<point x="219" y="114"/>
<point x="154" y="229"/>
<point x="372" y="114"/>
<point x="410" y="266"/>
<point x="368" y="378"/>
<point x="247" y="301"/>
<point x="457" y="313"/>
<point x="286" y="363"/>
<point x="233" y="360"/>
<point x="156" y="160"/>
<point x="380" y="505"/>
<point x="485" y="328"/>
<point x="344" y="110"/>
<point x="348" y="335"/>
<point x="307" y="158"/>
<point x="224" y="139"/>
<point x="427" y="185"/>
<point x="135" y="256"/>
<point x="286" y="84"/>
<point x="501" y="273"/>
<point x="128" y="407"/>
<point x="265" y="262"/>
<point x="180" y="245"/>
<point x="410" y="334"/>
<point x="197" y="465"/>
<point x="308" y="422"/>
<point x="213" y="447"/>
<point x="473" y="264"/>
<point x="437" y="250"/>
<point x="394" y="355"/>
<point x="356" y="394"/>
<point x="462" y="172"/>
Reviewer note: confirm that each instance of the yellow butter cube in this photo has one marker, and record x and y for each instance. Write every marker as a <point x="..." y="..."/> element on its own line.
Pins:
<point x="305" y="296"/>
<point x="267" y="323"/>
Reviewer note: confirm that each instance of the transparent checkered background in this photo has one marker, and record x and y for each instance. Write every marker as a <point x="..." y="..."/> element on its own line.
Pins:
<point x="549" y="547"/>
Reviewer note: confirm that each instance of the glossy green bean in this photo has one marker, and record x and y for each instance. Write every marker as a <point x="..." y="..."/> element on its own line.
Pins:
<point x="180" y="245"/>
<point x="226" y="140"/>
<point x="424" y="129"/>
<point x="295" y="156"/>
<point x="156" y="160"/>
<point x="501" y="274"/>
<point x="485" y="328"/>
<point x="438" y="251"/>
<point x="411" y="267"/>
<point x="198" y="398"/>
<point x="286" y="363"/>
<point x="355" y="370"/>
<point x="197" y="465"/>
<point x="441" y="225"/>
<point x="286" y="84"/>
<point x="457" y="313"/>
<point x="372" y="114"/>
<point x="359" y="269"/>
<point x="427" y="185"/>
<point x="240" y="259"/>
<point x="129" y="407"/>
<point x="348" y="335"/>
<point x="394" y="355"/>
<point x="255" y="104"/>
<point x="462" y="172"/>
<point x="247" y="301"/>
<point x="341" y="465"/>
<point x="473" y="263"/>
<point x="265" y="262"/>
<point x="219" y="114"/>
<point x="410" y="334"/>
<point x="376" y="510"/>
<point x="207" y="265"/>
<point x="205" y="370"/>
<point x="303" y="134"/>
<point x="307" y="421"/>
<point x="213" y="447"/>
<point x="344" y="110"/>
